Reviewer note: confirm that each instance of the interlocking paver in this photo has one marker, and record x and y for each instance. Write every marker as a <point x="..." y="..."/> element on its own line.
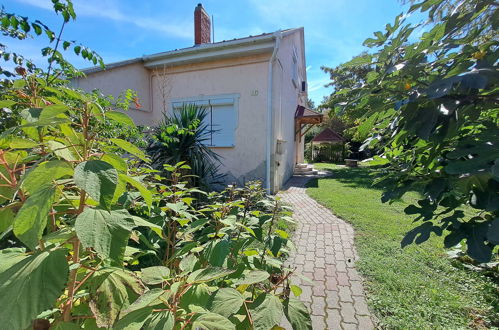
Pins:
<point x="325" y="254"/>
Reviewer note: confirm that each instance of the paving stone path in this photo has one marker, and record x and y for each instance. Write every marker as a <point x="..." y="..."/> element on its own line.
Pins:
<point x="325" y="254"/>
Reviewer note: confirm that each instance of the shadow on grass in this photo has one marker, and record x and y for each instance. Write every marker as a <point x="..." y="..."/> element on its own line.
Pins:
<point x="354" y="177"/>
<point x="314" y="183"/>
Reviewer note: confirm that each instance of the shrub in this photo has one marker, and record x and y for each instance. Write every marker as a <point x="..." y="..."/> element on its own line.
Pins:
<point x="183" y="137"/>
<point x="90" y="238"/>
<point x="112" y="245"/>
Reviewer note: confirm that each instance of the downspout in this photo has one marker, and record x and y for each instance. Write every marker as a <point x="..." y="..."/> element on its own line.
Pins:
<point x="270" y="124"/>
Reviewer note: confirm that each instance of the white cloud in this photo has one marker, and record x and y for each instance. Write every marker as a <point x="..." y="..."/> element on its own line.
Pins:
<point x="314" y="85"/>
<point x="109" y="9"/>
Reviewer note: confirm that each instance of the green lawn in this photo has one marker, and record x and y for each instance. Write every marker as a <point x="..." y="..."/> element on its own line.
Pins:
<point x="412" y="288"/>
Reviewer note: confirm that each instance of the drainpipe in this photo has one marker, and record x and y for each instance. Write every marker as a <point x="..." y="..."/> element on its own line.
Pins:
<point x="270" y="124"/>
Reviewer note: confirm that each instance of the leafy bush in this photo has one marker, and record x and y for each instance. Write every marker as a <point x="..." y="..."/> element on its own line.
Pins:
<point x="184" y="137"/>
<point x="430" y="107"/>
<point x="111" y="245"/>
<point x="91" y="239"/>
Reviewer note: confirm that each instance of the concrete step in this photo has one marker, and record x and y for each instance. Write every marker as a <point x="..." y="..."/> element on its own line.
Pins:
<point x="311" y="172"/>
<point x="304" y="169"/>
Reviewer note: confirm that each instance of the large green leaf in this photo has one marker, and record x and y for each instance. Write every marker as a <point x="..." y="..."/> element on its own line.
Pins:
<point x="266" y="311"/>
<point x="130" y="148"/>
<point x="160" y="321"/>
<point x="10" y="257"/>
<point x="45" y="173"/>
<point x="219" y="252"/>
<point x="253" y="276"/>
<point x="155" y="274"/>
<point x="30" y="287"/>
<point x="107" y="232"/>
<point x="134" y="320"/>
<point x="148" y="299"/>
<point x="146" y="194"/>
<point x="53" y="110"/>
<point x="212" y="321"/>
<point x="98" y="179"/>
<point x="61" y="150"/>
<point x="6" y="218"/>
<point x="7" y="103"/>
<point x="19" y="143"/>
<point x="188" y="263"/>
<point x="141" y="310"/>
<point x="297" y="314"/>
<point x="120" y="117"/>
<point x="118" y="163"/>
<point x="139" y="222"/>
<point x="226" y="302"/>
<point x="31" y="219"/>
<point x="208" y="274"/>
<point x="197" y="295"/>
<point x="111" y="291"/>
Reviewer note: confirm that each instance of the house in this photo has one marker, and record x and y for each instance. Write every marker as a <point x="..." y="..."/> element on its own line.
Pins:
<point x="252" y="87"/>
<point x="328" y="136"/>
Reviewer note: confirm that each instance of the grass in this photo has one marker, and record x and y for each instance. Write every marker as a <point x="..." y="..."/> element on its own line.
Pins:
<point x="417" y="287"/>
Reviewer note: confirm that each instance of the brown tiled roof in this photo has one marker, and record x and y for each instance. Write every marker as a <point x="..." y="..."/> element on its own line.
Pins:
<point x="301" y="111"/>
<point x="328" y="135"/>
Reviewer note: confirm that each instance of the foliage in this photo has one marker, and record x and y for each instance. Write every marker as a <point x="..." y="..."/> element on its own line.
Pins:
<point x="91" y="237"/>
<point x="183" y="137"/>
<point x="310" y="103"/>
<point x="22" y="28"/>
<point x="349" y="76"/>
<point x="427" y="290"/>
<point x="431" y="109"/>
<point x="137" y="250"/>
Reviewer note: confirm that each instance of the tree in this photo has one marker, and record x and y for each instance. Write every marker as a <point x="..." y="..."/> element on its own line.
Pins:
<point x="430" y="107"/>
<point x="350" y="77"/>
<point x="310" y="103"/>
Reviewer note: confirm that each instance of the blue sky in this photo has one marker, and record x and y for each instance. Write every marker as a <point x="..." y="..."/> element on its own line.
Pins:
<point x="123" y="29"/>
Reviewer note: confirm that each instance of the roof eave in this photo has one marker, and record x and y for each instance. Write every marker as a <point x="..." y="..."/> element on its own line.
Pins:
<point x="252" y="45"/>
<point x="204" y="53"/>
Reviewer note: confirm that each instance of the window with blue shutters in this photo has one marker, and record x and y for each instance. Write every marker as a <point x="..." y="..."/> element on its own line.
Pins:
<point x="221" y="118"/>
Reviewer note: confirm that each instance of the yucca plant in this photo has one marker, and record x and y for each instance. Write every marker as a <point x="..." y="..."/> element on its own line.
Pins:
<point x="183" y="137"/>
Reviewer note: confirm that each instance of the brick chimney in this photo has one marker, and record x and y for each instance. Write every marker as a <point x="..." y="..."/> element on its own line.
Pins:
<point x="202" y="26"/>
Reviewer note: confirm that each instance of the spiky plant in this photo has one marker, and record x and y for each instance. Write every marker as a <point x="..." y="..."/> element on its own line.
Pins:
<point x="183" y="137"/>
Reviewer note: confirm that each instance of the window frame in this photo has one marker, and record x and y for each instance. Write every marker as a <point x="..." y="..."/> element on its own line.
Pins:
<point x="295" y="76"/>
<point x="207" y="98"/>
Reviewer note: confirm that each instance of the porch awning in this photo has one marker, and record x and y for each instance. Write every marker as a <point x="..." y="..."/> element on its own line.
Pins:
<point x="305" y="116"/>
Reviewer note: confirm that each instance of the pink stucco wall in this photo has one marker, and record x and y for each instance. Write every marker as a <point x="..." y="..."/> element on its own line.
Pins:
<point x="286" y="97"/>
<point x="245" y="76"/>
